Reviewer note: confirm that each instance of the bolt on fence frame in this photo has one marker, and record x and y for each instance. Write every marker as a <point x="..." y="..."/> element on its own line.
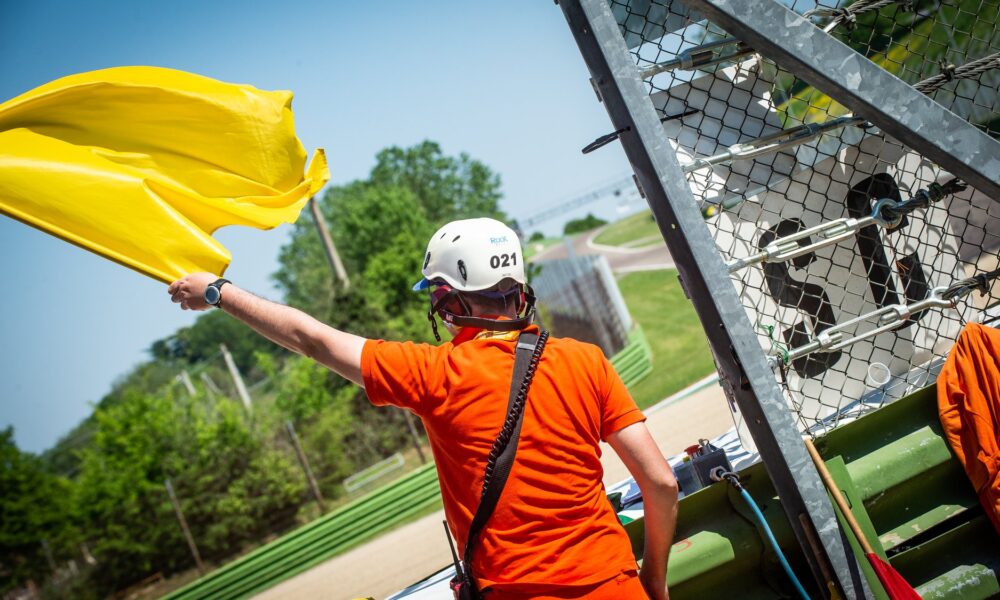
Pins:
<point x="743" y="369"/>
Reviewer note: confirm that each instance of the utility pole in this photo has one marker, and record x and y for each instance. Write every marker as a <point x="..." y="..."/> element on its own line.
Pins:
<point x="87" y="556"/>
<point x="48" y="556"/>
<point x="185" y="378"/>
<point x="331" y="250"/>
<point x="414" y="435"/>
<point x="304" y="461"/>
<point x="210" y="384"/>
<point x="241" y="388"/>
<point x="184" y="527"/>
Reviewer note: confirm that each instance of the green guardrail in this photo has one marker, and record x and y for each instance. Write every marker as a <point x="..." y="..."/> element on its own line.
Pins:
<point x="635" y="360"/>
<point x="321" y="539"/>
<point x="905" y="488"/>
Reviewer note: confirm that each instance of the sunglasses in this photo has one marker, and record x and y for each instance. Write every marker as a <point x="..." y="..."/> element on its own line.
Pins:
<point x="445" y="298"/>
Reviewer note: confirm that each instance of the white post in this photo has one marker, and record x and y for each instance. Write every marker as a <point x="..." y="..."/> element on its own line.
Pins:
<point x="184" y="527"/>
<point x="241" y="388"/>
<point x="331" y="251"/>
<point x="210" y="384"/>
<point x="185" y="378"/>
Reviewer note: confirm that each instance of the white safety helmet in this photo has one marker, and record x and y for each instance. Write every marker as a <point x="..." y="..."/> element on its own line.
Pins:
<point x="472" y="255"/>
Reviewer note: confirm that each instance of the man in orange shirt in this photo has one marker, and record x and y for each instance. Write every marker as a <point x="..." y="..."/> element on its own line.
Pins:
<point x="553" y="533"/>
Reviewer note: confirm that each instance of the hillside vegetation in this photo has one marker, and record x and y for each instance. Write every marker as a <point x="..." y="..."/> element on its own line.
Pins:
<point x="100" y="491"/>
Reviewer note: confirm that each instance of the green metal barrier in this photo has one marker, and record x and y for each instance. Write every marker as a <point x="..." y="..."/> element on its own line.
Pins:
<point x="905" y="488"/>
<point x="635" y="360"/>
<point x="316" y="542"/>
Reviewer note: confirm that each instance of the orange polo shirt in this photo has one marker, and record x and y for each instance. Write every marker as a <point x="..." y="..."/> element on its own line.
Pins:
<point x="553" y="526"/>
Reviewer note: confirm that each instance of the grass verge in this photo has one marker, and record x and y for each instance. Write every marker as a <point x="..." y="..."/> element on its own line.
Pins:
<point x="639" y="226"/>
<point x="680" y="350"/>
<point x="538" y="246"/>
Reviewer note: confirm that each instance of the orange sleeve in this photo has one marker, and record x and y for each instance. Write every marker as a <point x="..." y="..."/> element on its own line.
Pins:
<point x="396" y="373"/>
<point x="618" y="410"/>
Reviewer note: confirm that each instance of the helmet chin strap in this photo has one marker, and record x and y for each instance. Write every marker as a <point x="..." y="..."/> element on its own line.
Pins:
<point x="527" y="303"/>
<point x="495" y="324"/>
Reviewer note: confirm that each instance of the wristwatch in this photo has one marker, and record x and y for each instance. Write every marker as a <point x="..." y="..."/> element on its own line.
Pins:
<point x="213" y="293"/>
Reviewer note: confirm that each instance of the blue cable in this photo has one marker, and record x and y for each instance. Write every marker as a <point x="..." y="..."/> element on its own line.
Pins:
<point x="770" y="537"/>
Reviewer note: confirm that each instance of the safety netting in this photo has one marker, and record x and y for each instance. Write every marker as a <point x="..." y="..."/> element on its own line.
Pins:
<point x="856" y="258"/>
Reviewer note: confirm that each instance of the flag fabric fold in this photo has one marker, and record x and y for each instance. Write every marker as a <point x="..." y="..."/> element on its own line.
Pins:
<point x="142" y="164"/>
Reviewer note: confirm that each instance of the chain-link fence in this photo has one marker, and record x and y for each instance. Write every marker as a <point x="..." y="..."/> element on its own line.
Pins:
<point x="579" y="298"/>
<point x="844" y="244"/>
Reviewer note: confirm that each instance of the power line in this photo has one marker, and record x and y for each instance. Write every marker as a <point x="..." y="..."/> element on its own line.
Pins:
<point x="617" y="188"/>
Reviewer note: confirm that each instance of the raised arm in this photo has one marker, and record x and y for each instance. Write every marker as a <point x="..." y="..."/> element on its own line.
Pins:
<point x="659" y="499"/>
<point x="338" y="350"/>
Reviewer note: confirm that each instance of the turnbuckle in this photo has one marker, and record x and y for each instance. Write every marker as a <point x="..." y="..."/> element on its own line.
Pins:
<point x="773" y="142"/>
<point x="832" y="232"/>
<point x="886" y="318"/>
<point x="699" y="57"/>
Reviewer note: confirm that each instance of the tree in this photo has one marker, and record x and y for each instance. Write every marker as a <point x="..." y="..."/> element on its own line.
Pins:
<point x="35" y="506"/>
<point x="235" y="486"/>
<point x="381" y="226"/>
<point x="447" y="187"/>
<point x="201" y="341"/>
<point x="585" y="224"/>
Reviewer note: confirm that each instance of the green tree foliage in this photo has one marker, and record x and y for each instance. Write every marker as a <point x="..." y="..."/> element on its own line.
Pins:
<point x="585" y="224"/>
<point x="201" y="341"/>
<point x="380" y="226"/>
<point x="34" y="506"/>
<point x="447" y="187"/>
<point x="911" y="44"/>
<point x="233" y="486"/>
<point x="236" y="476"/>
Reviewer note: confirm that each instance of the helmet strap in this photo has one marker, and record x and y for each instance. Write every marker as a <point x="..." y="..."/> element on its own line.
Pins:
<point x="495" y="324"/>
<point x="525" y="302"/>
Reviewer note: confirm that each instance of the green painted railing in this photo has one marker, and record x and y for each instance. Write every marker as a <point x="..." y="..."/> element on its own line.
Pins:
<point x="316" y="542"/>
<point x="905" y="487"/>
<point x="635" y="360"/>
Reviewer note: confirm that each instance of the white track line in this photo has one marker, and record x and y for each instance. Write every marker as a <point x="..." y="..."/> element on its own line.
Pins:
<point x="650" y="267"/>
<point x="688" y="391"/>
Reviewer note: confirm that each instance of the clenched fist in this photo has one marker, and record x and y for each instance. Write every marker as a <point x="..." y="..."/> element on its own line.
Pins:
<point x="189" y="291"/>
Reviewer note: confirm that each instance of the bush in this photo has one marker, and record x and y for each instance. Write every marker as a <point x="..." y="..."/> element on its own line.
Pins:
<point x="585" y="224"/>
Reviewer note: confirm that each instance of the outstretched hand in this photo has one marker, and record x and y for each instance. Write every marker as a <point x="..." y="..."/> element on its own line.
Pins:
<point x="189" y="291"/>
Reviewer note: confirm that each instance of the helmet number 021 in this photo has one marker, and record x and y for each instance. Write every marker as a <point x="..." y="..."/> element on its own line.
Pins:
<point x="503" y="260"/>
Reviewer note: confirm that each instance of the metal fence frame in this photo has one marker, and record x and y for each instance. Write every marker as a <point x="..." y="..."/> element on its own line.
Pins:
<point x="864" y="87"/>
<point x="744" y="372"/>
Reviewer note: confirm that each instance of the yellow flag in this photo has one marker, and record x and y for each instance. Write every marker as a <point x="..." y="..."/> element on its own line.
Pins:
<point x="142" y="164"/>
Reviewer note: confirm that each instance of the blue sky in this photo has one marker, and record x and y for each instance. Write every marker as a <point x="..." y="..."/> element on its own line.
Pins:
<point x="502" y="81"/>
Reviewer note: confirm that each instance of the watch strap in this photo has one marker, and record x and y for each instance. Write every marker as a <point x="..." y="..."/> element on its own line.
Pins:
<point x="217" y="284"/>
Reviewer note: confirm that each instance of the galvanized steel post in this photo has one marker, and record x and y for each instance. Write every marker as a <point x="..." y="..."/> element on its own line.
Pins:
<point x="743" y="369"/>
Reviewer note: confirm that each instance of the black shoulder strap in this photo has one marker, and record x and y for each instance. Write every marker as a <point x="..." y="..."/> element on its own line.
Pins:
<point x="501" y="458"/>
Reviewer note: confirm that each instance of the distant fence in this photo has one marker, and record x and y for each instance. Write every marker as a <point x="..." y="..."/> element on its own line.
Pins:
<point x="580" y="299"/>
<point x="316" y="542"/>
<point x="377" y="471"/>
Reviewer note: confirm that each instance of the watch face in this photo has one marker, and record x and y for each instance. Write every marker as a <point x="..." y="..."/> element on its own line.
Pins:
<point x="212" y="295"/>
